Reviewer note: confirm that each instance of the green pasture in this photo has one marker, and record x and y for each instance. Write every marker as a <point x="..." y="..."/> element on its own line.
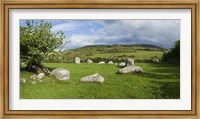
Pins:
<point x="159" y="81"/>
<point x="137" y="54"/>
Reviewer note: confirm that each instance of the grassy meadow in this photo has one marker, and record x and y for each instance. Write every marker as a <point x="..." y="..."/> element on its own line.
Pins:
<point x="137" y="55"/>
<point x="159" y="81"/>
<point x="153" y="45"/>
<point x="142" y="51"/>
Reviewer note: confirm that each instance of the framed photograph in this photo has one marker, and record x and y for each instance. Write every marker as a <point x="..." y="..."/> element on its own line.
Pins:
<point x="100" y="59"/>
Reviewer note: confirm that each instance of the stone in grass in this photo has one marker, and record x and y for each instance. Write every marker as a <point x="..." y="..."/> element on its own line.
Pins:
<point x="93" y="78"/>
<point x="22" y="80"/>
<point x="122" y="64"/>
<point x="89" y="61"/>
<point x="77" y="60"/>
<point x="34" y="76"/>
<point x="37" y="77"/>
<point x="39" y="80"/>
<point x="129" y="62"/>
<point x="110" y="62"/>
<point x="61" y="74"/>
<point x="130" y="69"/>
<point x="34" y="82"/>
<point x="101" y="62"/>
<point x="156" y="60"/>
<point x="40" y="76"/>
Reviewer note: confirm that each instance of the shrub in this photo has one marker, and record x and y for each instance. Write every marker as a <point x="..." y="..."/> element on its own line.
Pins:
<point x="173" y="54"/>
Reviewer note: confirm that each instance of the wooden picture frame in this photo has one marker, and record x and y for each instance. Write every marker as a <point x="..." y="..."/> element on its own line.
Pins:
<point x="100" y="4"/>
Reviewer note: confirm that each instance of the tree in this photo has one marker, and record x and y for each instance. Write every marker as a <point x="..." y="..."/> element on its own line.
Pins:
<point x="115" y="49"/>
<point x="173" y="54"/>
<point x="37" y="41"/>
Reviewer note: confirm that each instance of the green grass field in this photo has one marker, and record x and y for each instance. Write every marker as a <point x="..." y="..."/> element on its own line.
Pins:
<point x="159" y="81"/>
<point x="138" y="54"/>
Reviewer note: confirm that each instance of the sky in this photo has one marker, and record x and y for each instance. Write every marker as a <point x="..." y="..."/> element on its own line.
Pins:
<point x="81" y="33"/>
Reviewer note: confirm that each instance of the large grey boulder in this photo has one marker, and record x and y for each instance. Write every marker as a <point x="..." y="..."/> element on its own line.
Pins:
<point x="110" y="62"/>
<point x="130" y="69"/>
<point x="77" y="60"/>
<point x="93" y="78"/>
<point x="122" y="64"/>
<point x="61" y="74"/>
<point x="129" y="62"/>
<point x="101" y="62"/>
<point x="89" y="61"/>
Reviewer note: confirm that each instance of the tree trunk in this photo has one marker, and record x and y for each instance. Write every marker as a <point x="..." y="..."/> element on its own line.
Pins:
<point x="37" y="68"/>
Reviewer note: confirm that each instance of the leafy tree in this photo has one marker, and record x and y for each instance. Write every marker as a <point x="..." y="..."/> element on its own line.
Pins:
<point x="115" y="49"/>
<point x="173" y="54"/>
<point x="37" y="41"/>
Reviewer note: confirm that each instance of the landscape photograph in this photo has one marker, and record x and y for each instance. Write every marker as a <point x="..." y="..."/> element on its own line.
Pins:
<point x="100" y="58"/>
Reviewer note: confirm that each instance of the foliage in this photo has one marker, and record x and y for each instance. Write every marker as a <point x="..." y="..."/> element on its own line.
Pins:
<point x="173" y="54"/>
<point x="159" y="81"/>
<point x="37" y="41"/>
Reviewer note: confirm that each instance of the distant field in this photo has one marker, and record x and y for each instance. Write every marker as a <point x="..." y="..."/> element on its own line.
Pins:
<point x="159" y="81"/>
<point x="138" y="54"/>
<point x="112" y="52"/>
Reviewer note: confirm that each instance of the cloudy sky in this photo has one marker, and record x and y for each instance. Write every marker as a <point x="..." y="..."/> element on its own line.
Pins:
<point x="107" y="32"/>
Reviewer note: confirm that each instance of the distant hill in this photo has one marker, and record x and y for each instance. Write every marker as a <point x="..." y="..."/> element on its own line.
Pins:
<point x="116" y="49"/>
<point x="115" y="52"/>
<point x="136" y="46"/>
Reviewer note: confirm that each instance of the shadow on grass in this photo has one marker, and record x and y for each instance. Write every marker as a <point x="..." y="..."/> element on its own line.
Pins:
<point x="169" y="70"/>
<point x="50" y="68"/>
<point x="166" y="67"/>
<point x="166" y="90"/>
<point x="162" y="71"/>
<point x="165" y="79"/>
<point x="165" y="64"/>
<point x="159" y="76"/>
<point x="24" y="69"/>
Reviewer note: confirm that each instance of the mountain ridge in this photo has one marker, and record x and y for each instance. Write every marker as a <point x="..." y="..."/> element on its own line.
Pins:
<point x="123" y="45"/>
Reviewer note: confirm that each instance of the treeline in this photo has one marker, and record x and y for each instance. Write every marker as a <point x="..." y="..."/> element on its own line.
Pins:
<point x="173" y="54"/>
<point x="114" y="50"/>
<point x="125" y="51"/>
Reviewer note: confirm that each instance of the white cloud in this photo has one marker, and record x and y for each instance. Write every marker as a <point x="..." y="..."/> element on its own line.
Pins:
<point x="65" y="27"/>
<point x="158" y="32"/>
